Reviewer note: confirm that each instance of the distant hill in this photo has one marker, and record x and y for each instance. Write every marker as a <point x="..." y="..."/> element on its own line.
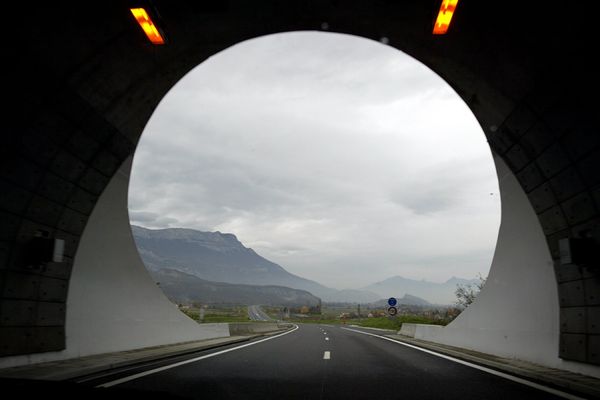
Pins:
<point x="220" y="257"/>
<point x="407" y="299"/>
<point x="436" y="293"/>
<point x="180" y="287"/>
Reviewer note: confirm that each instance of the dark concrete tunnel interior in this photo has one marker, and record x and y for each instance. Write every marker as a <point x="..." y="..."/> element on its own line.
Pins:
<point x="80" y="90"/>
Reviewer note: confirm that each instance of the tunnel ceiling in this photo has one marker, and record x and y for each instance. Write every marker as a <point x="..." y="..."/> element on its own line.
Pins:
<point x="82" y="81"/>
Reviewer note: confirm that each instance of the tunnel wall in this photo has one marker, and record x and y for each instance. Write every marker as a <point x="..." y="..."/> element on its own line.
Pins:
<point x="80" y="91"/>
<point x="113" y="304"/>
<point x="517" y="311"/>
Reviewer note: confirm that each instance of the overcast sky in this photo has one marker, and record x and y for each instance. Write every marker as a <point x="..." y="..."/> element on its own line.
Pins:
<point x="339" y="158"/>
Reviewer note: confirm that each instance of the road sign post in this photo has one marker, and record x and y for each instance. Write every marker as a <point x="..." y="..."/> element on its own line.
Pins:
<point x="392" y="310"/>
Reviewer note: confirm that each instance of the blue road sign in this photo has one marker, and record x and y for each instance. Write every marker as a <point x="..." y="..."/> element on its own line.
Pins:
<point x="392" y="301"/>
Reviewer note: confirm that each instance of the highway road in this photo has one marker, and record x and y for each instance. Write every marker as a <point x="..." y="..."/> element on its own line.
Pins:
<point x="255" y="313"/>
<point x="320" y="362"/>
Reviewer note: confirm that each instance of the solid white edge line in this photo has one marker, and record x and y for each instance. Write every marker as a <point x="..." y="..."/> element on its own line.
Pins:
<point x="191" y="360"/>
<point x="479" y="367"/>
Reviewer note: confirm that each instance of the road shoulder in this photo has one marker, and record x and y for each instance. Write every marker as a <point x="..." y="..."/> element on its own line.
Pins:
<point x="559" y="379"/>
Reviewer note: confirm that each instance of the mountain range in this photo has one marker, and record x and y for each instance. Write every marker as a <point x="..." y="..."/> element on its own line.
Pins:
<point x="220" y="257"/>
<point x="436" y="293"/>
<point x="180" y="287"/>
<point x="216" y="257"/>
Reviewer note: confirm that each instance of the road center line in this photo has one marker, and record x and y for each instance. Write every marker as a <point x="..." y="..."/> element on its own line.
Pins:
<point x="327" y="355"/>
<point x="326" y="338"/>
<point x="191" y="360"/>
<point x="479" y="367"/>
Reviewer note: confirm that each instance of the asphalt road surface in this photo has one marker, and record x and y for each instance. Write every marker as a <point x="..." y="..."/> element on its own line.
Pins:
<point x="255" y="313"/>
<point x="319" y="362"/>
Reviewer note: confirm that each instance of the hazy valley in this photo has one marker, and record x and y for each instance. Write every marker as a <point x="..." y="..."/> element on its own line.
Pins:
<point x="199" y="266"/>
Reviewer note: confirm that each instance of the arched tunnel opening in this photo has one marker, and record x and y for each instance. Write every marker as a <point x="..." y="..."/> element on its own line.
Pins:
<point x="81" y="94"/>
<point x="339" y="158"/>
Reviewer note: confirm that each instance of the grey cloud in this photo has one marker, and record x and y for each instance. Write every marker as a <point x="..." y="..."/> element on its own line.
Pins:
<point x="429" y="194"/>
<point x="428" y="202"/>
<point x="334" y="156"/>
<point x="151" y="219"/>
<point x="142" y="216"/>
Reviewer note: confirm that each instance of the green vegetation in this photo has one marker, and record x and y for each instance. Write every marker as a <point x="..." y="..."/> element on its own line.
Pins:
<point x="338" y="315"/>
<point x="273" y="312"/>
<point x="195" y="315"/>
<point x="225" y="318"/>
<point x="394" y="323"/>
<point x="348" y="314"/>
<point x="466" y="294"/>
<point x="216" y="314"/>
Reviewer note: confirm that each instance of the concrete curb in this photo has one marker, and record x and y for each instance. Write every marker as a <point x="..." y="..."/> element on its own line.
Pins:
<point x="563" y="380"/>
<point x="252" y="328"/>
<point x="74" y="369"/>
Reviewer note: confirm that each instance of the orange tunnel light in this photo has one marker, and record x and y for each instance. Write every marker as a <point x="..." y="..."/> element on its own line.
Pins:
<point x="147" y="25"/>
<point x="444" y="16"/>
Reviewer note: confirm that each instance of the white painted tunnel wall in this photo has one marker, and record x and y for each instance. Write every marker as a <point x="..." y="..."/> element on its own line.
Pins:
<point x="113" y="304"/>
<point x="516" y="315"/>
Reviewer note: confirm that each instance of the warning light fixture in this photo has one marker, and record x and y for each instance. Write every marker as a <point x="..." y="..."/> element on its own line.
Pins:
<point x="147" y="25"/>
<point x="444" y="17"/>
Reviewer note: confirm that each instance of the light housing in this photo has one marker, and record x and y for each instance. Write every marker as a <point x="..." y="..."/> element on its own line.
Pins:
<point x="442" y="23"/>
<point x="145" y="22"/>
